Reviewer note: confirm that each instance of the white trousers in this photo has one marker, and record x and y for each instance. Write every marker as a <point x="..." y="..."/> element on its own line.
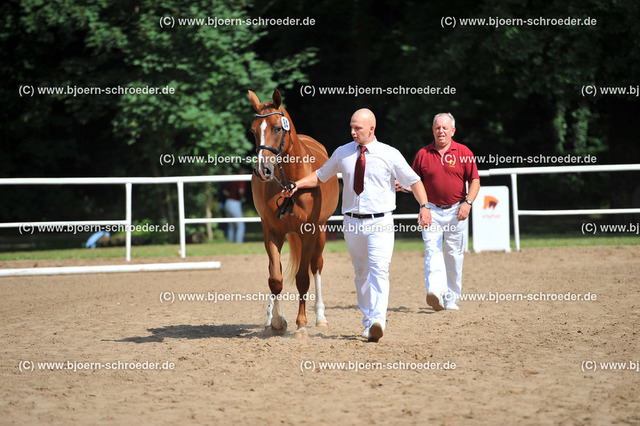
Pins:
<point x="444" y="243"/>
<point x="370" y="244"/>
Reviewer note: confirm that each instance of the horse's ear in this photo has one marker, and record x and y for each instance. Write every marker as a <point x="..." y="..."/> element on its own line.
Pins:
<point x="253" y="98"/>
<point x="277" y="98"/>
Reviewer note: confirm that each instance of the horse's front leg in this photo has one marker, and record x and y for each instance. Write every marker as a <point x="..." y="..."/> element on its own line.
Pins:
<point x="275" y="318"/>
<point x="302" y="283"/>
<point x="317" y="262"/>
<point x="321" y="320"/>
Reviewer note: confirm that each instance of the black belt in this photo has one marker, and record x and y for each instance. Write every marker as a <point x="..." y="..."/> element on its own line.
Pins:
<point x="365" y="216"/>
<point x="447" y="207"/>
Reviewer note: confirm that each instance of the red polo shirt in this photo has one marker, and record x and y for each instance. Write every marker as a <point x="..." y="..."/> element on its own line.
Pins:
<point x="236" y="190"/>
<point x="444" y="176"/>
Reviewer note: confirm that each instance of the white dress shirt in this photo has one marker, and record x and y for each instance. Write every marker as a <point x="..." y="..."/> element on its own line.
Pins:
<point x="384" y="164"/>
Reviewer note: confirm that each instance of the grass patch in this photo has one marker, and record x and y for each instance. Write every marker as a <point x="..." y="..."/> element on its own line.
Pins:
<point x="257" y="247"/>
<point x="553" y="240"/>
<point x="165" y="250"/>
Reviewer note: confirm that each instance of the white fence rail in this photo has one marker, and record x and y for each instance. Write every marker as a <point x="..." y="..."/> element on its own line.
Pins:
<point x="128" y="182"/>
<point x="514" y="172"/>
<point x="183" y="220"/>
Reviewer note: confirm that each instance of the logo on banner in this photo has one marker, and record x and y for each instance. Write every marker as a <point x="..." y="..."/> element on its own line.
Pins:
<point x="490" y="203"/>
<point x="490" y="217"/>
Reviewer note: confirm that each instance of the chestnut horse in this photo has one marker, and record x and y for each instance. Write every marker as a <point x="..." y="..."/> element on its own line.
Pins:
<point x="284" y="156"/>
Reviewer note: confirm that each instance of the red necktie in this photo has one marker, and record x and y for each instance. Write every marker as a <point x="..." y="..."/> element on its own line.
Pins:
<point x="358" y="179"/>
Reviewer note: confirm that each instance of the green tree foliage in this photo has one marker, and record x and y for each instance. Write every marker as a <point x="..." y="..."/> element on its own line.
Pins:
<point x="518" y="87"/>
<point x="110" y="44"/>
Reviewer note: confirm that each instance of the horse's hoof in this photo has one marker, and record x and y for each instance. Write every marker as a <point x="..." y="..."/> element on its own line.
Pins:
<point x="301" y="334"/>
<point x="322" y="324"/>
<point x="274" y="332"/>
<point x="279" y="328"/>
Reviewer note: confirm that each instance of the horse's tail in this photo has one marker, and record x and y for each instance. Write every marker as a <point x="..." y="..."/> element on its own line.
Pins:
<point x="295" y="251"/>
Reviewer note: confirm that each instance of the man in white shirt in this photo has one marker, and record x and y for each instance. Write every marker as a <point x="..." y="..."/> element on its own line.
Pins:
<point x="369" y="170"/>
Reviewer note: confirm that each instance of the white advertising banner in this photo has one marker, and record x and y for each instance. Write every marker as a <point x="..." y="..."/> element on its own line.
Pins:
<point x="490" y="219"/>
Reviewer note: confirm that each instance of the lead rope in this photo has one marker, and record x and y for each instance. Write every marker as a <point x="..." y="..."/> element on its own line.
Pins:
<point x="286" y="206"/>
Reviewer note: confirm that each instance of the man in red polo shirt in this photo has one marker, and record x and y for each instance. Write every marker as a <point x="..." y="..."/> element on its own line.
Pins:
<point x="445" y="167"/>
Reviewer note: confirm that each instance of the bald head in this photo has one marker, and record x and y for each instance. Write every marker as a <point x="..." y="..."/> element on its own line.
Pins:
<point x="363" y="126"/>
<point x="364" y="115"/>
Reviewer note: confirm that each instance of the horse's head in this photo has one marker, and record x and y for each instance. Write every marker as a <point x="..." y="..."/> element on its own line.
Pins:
<point x="273" y="132"/>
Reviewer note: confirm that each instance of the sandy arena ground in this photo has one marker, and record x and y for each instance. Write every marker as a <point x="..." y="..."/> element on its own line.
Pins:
<point x="516" y="362"/>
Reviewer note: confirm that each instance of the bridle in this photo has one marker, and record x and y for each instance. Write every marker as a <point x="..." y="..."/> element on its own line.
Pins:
<point x="278" y="151"/>
<point x="285" y="206"/>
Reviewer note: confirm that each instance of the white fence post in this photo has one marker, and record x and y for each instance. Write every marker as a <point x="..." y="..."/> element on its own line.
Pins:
<point x="516" y="213"/>
<point x="128" y="186"/>
<point x="181" y="224"/>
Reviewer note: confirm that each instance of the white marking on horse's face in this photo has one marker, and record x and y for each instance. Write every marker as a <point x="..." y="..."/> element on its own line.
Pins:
<point x="263" y="128"/>
<point x="265" y="166"/>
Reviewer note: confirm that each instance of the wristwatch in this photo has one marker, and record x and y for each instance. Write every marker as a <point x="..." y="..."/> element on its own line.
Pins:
<point x="425" y="206"/>
<point x="466" y="200"/>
